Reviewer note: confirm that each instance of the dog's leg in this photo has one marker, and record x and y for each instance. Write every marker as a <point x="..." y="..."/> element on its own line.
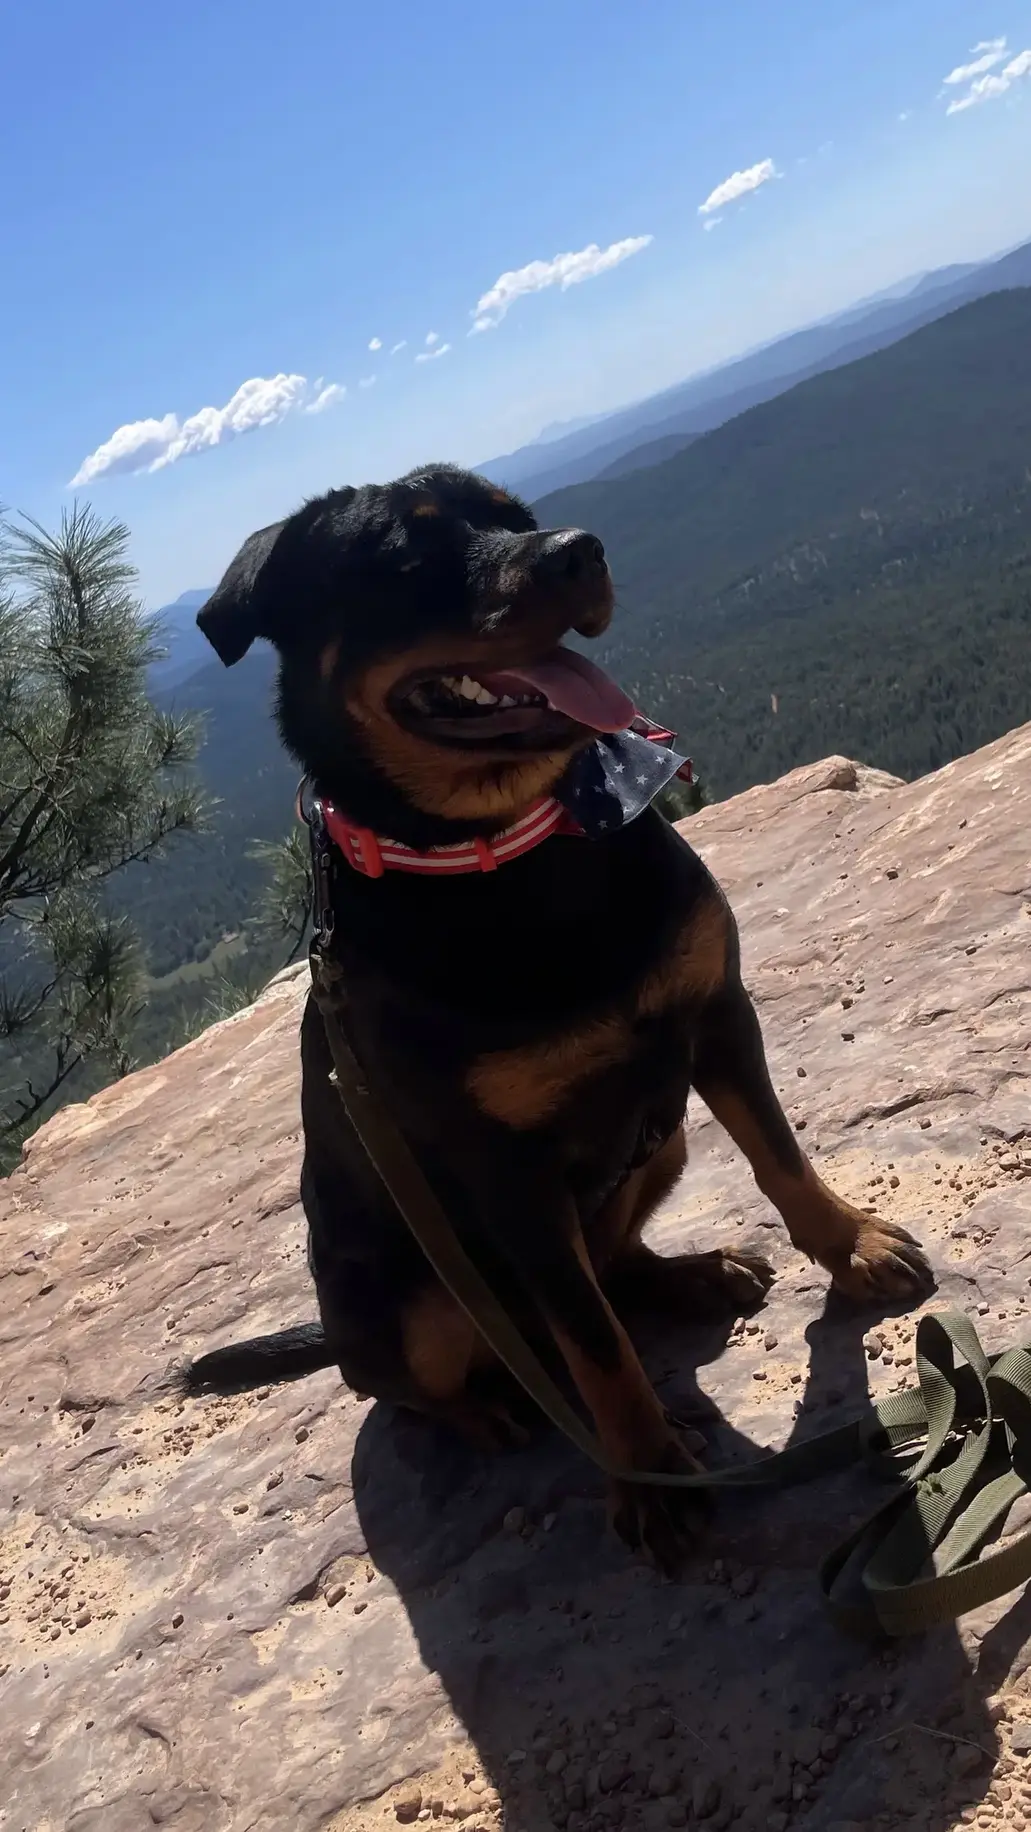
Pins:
<point x="533" y="1221"/>
<point x="867" y="1258"/>
<point x="699" y="1286"/>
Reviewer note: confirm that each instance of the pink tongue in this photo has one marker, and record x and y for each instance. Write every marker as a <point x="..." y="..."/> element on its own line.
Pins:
<point x="573" y="685"/>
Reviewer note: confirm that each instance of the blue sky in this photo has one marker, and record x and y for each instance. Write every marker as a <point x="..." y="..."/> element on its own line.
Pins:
<point x="218" y="194"/>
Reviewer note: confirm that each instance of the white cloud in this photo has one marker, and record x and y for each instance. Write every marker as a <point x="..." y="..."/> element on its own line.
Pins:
<point x="429" y="356"/>
<point x="152" y="445"/>
<point x="712" y="222"/>
<point x="432" y="337"/>
<point x="403" y="345"/>
<point x="987" y="82"/>
<point x="325" y="395"/>
<point x="375" y="343"/>
<point x="367" y="381"/>
<point x="993" y="51"/>
<point x="564" y="271"/>
<point x="739" y="184"/>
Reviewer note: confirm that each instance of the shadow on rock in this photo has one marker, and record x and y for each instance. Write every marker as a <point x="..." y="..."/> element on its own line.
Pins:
<point x="595" y="1696"/>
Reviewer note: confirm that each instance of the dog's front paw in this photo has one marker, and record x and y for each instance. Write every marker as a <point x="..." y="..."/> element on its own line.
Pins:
<point x="885" y="1263"/>
<point x="663" y="1524"/>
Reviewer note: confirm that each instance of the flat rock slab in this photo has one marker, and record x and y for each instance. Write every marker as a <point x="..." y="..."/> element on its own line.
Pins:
<point x="291" y="1610"/>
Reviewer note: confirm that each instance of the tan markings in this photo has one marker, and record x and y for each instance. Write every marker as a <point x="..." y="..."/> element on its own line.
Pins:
<point x="625" y="1408"/>
<point x="820" y="1224"/>
<point x="434" y="778"/>
<point x="501" y="496"/>
<point x="628" y="1209"/>
<point x="427" y="508"/>
<point x="524" y="1087"/>
<point x="329" y="658"/>
<point x="440" y="1343"/>
<point x="696" y="965"/>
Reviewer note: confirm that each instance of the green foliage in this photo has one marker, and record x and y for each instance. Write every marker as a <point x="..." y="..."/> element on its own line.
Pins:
<point x="92" y="778"/>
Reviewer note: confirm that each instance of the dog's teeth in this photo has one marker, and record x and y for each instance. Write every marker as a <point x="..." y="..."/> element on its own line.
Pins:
<point x="507" y="700"/>
<point x="449" y="681"/>
<point x="469" y="690"/>
<point x="484" y="698"/>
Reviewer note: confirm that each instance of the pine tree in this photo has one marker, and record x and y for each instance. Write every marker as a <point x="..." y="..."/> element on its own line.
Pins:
<point x="92" y="778"/>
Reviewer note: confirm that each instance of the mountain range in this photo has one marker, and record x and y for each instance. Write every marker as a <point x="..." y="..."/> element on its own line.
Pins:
<point x="612" y="445"/>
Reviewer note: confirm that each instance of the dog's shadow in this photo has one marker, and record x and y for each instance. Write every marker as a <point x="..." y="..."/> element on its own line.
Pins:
<point x="594" y="1695"/>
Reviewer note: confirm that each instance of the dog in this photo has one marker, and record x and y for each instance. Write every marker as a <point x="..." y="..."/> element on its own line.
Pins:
<point x="538" y="1014"/>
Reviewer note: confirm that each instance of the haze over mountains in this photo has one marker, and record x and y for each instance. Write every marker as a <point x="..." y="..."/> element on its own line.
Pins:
<point x="695" y="406"/>
<point x="845" y="566"/>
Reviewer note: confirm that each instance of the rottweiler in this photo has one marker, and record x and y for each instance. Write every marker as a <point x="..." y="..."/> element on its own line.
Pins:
<point x="539" y="969"/>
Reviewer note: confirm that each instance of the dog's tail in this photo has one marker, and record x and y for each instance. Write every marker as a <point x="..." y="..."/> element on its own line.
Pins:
<point x="259" y="1361"/>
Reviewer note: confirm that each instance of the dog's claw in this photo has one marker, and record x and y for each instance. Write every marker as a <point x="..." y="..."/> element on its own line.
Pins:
<point x="663" y="1524"/>
<point x="886" y="1262"/>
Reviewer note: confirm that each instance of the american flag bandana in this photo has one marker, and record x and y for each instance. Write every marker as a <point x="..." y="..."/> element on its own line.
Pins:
<point x="605" y="788"/>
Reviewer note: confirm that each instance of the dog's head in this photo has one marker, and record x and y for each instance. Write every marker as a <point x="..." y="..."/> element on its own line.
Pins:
<point x="419" y="627"/>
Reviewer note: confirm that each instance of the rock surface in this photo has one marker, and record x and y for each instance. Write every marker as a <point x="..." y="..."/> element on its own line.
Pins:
<point x="292" y="1610"/>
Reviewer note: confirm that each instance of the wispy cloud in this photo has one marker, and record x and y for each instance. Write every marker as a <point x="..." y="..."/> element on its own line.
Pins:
<point x="992" y="51"/>
<point x="152" y="445"/>
<point x="402" y="345"/>
<point x="739" y="184"/>
<point x="324" y="394"/>
<point x="712" y="222"/>
<point x="375" y="343"/>
<point x="983" y="77"/>
<point x="432" y="337"/>
<point x="564" y="271"/>
<point x="367" y="381"/>
<point x="436" y="348"/>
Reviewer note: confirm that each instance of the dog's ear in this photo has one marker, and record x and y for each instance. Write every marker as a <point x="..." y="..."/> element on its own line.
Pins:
<point x="239" y="609"/>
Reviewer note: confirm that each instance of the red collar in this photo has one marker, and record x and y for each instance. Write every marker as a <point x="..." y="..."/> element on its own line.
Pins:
<point x="372" y="854"/>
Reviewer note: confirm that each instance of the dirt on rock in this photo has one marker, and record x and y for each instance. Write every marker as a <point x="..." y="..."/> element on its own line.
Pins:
<point x="292" y="1610"/>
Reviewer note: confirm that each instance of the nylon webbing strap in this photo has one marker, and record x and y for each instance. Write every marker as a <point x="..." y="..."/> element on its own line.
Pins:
<point x="957" y="1447"/>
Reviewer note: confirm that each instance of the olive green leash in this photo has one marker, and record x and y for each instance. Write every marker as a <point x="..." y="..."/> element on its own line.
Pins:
<point x="957" y="1447"/>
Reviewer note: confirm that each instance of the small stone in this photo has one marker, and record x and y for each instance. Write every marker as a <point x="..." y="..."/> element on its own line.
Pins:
<point x="83" y="1619"/>
<point x="1020" y="1742"/>
<point x="769" y="1341"/>
<point x="240" y="1507"/>
<point x="612" y="1773"/>
<point x="515" y="1756"/>
<point x="758" y="1373"/>
<point x="556" y="1762"/>
<point x="336" y="1594"/>
<point x="891" y="872"/>
<point x="515" y="1520"/>
<point x="675" y="1814"/>
<point x="848" y="1036"/>
<point x="705" y="1796"/>
<point x="408" y="1805"/>
<point x="925" y="1125"/>
<point x="178" y="1619"/>
<point x="808" y="1747"/>
<point x="301" y="1435"/>
<point x="660" y="1783"/>
<point x="743" y="1584"/>
<point x="275" y="1480"/>
<point x="675" y="1623"/>
<point x="801" y="1073"/>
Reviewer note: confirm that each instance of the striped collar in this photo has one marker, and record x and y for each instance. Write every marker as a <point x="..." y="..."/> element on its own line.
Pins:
<point x="596" y="800"/>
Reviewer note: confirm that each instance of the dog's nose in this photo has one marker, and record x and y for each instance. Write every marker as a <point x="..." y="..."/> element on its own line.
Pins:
<point x="570" y="555"/>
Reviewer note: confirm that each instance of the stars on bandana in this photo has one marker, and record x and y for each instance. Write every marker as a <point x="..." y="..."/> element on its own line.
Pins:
<point x="609" y="785"/>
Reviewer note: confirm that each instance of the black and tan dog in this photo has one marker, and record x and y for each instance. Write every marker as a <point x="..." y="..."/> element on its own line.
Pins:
<point x="537" y="1019"/>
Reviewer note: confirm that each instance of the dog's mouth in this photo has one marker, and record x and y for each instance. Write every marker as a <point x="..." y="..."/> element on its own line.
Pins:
<point x="539" y="704"/>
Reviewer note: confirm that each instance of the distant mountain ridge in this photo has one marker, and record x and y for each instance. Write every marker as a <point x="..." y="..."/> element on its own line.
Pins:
<point x="706" y="401"/>
<point x="175" y="628"/>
